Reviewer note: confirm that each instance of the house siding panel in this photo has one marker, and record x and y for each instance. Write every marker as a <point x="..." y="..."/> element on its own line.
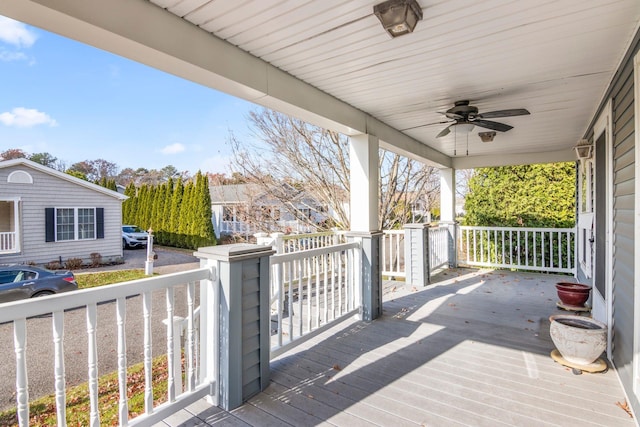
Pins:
<point x="48" y="191"/>
<point x="622" y="95"/>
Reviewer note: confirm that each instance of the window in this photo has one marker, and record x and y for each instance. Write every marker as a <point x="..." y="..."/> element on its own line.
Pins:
<point x="65" y="224"/>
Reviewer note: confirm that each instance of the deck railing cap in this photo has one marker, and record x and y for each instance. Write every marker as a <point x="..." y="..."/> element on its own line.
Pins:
<point x="234" y="252"/>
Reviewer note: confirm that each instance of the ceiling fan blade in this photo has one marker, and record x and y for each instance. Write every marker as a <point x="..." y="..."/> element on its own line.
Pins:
<point x="504" y="113"/>
<point x="443" y="132"/>
<point x="426" y="124"/>
<point x="500" y="127"/>
<point x="452" y="116"/>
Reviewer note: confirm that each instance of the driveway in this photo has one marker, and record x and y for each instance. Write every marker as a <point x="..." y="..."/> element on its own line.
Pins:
<point x="40" y="351"/>
<point x="168" y="260"/>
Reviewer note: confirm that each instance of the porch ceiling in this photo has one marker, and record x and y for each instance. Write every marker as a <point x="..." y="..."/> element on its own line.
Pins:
<point x="330" y="62"/>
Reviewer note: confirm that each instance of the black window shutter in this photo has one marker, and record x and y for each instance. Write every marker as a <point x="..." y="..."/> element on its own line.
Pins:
<point x="49" y="221"/>
<point x="100" y="223"/>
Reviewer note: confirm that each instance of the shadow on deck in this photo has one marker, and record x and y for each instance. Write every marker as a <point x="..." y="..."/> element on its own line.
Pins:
<point x="471" y="349"/>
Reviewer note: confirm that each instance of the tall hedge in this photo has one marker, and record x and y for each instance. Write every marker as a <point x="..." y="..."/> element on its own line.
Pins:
<point x="525" y="196"/>
<point x="180" y="214"/>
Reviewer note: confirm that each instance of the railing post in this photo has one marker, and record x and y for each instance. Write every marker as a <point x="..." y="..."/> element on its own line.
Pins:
<point x="243" y="279"/>
<point x="370" y="273"/>
<point x="177" y="350"/>
<point x="278" y="242"/>
<point x="452" y="241"/>
<point x="416" y="253"/>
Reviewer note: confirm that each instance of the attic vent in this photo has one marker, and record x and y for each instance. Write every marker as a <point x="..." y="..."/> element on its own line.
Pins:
<point x="20" y="177"/>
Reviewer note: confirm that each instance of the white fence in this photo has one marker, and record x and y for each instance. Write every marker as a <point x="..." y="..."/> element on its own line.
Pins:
<point x="310" y="289"/>
<point x="535" y="249"/>
<point x="438" y="248"/>
<point x="112" y="307"/>
<point x="392" y="256"/>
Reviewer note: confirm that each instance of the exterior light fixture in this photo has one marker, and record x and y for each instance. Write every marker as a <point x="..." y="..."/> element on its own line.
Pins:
<point x="487" y="136"/>
<point x="584" y="150"/>
<point x="398" y="17"/>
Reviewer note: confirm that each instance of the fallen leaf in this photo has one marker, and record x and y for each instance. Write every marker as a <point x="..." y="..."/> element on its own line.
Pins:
<point x="530" y="321"/>
<point x="337" y="367"/>
<point x="625" y="407"/>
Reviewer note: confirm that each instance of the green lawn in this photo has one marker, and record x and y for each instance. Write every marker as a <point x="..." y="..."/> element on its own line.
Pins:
<point x="92" y="280"/>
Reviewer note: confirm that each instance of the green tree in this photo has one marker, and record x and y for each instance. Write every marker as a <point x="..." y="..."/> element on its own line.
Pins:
<point x="525" y="196"/>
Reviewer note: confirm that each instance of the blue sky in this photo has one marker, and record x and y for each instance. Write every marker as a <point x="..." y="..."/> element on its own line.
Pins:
<point x="79" y="103"/>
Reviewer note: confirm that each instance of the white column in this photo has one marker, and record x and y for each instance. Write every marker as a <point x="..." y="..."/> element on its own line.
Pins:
<point x="363" y="160"/>
<point x="447" y="195"/>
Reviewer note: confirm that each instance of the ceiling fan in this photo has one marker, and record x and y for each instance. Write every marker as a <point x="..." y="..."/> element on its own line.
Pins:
<point x="464" y="114"/>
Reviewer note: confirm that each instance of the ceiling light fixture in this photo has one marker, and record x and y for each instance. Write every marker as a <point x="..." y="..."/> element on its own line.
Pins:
<point x="464" y="127"/>
<point x="487" y="136"/>
<point x="398" y="17"/>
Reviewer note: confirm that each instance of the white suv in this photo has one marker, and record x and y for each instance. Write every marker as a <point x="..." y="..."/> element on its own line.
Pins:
<point x="133" y="236"/>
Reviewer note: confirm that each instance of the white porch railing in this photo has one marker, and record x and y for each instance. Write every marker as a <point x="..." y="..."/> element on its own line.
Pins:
<point x="536" y="249"/>
<point x="235" y="227"/>
<point x="117" y="297"/>
<point x="392" y="246"/>
<point x="438" y="248"/>
<point x="310" y="289"/>
<point x="8" y="242"/>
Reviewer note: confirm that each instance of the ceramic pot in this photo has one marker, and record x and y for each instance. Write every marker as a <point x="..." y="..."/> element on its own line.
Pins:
<point x="575" y="287"/>
<point x="580" y="340"/>
<point x="573" y="294"/>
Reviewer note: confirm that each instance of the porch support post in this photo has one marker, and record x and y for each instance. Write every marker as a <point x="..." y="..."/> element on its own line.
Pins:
<point x="364" y="219"/>
<point x="243" y="280"/>
<point x="416" y="254"/>
<point x="448" y="210"/>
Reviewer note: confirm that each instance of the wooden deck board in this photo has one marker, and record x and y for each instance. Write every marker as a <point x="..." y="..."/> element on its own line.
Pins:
<point x="471" y="349"/>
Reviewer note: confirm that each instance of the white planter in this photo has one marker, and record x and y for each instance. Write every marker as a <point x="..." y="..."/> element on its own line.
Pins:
<point x="580" y="340"/>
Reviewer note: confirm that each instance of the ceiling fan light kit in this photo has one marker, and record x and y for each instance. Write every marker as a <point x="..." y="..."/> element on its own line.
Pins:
<point x="464" y="114"/>
<point x="398" y="17"/>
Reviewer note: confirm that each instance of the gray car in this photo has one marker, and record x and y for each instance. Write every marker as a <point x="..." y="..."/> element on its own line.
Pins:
<point x="24" y="281"/>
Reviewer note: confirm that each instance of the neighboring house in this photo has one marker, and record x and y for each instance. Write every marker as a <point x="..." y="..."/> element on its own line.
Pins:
<point x="230" y="204"/>
<point x="47" y="215"/>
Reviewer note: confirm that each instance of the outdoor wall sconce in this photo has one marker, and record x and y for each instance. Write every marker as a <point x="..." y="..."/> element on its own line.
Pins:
<point x="398" y="17"/>
<point x="487" y="136"/>
<point x="584" y="150"/>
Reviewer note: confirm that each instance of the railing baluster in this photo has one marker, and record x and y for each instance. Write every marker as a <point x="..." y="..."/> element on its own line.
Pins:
<point x="22" y="390"/>
<point x="300" y="298"/>
<point x="58" y="371"/>
<point x="123" y="408"/>
<point x="92" y="352"/>
<point x="290" y="299"/>
<point x="171" y="371"/>
<point x="147" y="353"/>
<point x="325" y="263"/>
<point x="190" y="347"/>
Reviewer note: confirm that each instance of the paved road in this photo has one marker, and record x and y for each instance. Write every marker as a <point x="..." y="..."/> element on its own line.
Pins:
<point x="40" y="351"/>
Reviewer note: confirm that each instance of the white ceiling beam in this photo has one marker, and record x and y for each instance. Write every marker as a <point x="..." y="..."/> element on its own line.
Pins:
<point x="471" y="162"/>
<point x="143" y="32"/>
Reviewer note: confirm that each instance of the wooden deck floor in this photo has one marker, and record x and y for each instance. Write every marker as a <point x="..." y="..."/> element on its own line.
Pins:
<point x="472" y="349"/>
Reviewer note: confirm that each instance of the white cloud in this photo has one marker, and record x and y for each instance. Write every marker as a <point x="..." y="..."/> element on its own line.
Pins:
<point x="26" y="117"/>
<point x="16" y="33"/>
<point x="173" y="148"/>
<point x="216" y="164"/>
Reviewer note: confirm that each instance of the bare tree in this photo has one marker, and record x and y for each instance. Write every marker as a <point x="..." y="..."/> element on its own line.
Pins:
<point x="293" y="154"/>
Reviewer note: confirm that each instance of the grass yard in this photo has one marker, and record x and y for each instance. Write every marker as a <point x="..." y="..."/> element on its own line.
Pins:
<point x="92" y="280"/>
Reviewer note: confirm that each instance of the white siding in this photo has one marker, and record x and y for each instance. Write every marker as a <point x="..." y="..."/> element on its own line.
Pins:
<point x="48" y="191"/>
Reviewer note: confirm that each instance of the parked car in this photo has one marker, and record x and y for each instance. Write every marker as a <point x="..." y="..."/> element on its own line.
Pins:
<point x="24" y="281"/>
<point x="133" y="236"/>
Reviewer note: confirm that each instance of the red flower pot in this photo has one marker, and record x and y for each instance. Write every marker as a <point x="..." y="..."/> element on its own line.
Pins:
<point x="573" y="294"/>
